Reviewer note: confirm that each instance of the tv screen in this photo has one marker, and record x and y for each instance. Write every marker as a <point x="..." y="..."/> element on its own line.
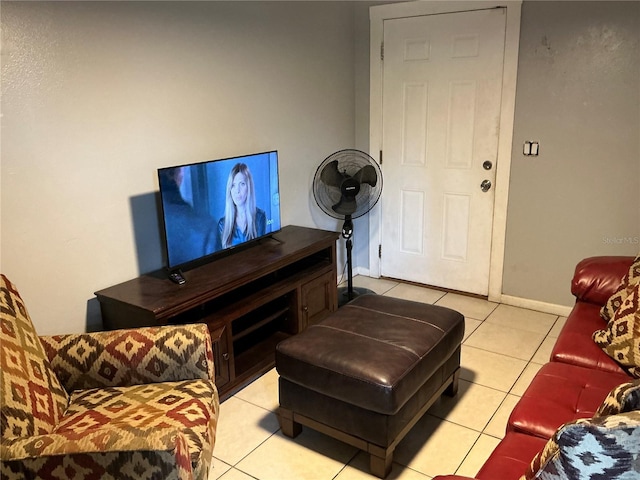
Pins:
<point x="213" y="206"/>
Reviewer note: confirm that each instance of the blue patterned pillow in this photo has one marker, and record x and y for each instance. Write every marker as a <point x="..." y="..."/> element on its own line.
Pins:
<point x="592" y="449"/>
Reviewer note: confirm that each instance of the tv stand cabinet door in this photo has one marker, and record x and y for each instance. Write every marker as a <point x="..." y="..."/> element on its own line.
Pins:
<point x="318" y="299"/>
<point x="220" y="345"/>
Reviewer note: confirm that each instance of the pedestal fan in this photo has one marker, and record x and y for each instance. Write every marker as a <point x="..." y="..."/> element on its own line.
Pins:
<point x="347" y="184"/>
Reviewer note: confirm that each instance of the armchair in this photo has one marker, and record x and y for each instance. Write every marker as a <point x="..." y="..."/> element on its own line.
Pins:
<point x="125" y="404"/>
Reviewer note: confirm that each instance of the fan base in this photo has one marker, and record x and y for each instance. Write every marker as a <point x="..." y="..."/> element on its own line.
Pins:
<point x="343" y="294"/>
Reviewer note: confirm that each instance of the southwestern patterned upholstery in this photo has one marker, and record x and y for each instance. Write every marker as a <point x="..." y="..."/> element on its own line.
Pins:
<point x="128" y="404"/>
<point x="615" y="301"/>
<point x="623" y="398"/>
<point x="621" y="338"/>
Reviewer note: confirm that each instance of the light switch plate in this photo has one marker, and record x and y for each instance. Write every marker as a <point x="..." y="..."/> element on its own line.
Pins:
<point x="531" y="148"/>
<point x="535" y="148"/>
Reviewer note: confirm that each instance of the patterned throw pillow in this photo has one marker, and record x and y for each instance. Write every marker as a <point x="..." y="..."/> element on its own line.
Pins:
<point x="621" y="339"/>
<point x="622" y="292"/>
<point x="623" y="398"/>
<point x="596" y="448"/>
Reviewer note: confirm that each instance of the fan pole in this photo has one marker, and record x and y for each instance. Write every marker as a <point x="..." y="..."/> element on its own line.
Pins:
<point x="347" y="232"/>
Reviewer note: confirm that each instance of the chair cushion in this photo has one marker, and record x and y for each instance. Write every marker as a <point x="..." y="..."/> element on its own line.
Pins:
<point x="33" y="400"/>
<point x="158" y="409"/>
<point x="621" y="339"/>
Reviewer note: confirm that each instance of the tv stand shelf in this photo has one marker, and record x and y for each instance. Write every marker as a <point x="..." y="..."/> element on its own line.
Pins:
<point x="250" y="300"/>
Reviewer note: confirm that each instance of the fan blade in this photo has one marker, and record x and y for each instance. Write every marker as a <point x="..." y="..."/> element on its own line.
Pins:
<point x="346" y="206"/>
<point x="367" y="174"/>
<point x="330" y="175"/>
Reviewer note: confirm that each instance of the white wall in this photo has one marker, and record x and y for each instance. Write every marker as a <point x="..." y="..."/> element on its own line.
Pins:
<point x="97" y="96"/>
<point x="578" y="94"/>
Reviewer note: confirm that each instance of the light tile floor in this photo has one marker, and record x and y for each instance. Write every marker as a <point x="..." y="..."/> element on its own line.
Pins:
<point x="502" y="350"/>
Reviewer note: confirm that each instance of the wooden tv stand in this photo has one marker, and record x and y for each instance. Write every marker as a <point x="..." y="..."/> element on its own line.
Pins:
<point x="250" y="300"/>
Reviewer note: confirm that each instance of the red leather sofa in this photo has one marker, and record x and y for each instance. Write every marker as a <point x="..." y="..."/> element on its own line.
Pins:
<point x="572" y="385"/>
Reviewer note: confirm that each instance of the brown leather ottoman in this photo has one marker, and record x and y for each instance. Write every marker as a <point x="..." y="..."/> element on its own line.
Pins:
<point x="368" y="373"/>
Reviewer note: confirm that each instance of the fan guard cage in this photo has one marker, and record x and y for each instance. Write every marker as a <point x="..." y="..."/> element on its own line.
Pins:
<point x="350" y="161"/>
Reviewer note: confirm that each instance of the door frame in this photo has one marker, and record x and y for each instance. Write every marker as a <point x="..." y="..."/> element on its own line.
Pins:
<point x="378" y="15"/>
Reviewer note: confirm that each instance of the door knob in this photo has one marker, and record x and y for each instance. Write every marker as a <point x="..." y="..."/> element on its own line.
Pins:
<point x="485" y="185"/>
<point x="487" y="165"/>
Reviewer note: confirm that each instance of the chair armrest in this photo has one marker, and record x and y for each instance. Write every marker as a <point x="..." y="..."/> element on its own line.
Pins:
<point x="137" y="356"/>
<point x="103" y="453"/>
<point x="596" y="278"/>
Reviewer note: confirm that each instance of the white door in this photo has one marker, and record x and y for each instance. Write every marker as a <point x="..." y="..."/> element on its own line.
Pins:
<point x="442" y="85"/>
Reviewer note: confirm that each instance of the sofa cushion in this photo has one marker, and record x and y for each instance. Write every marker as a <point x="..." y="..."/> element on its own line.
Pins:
<point x="623" y="398"/>
<point x="625" y="288"/>
<point x="511" y="457"/>
<point x="561" y="393"/>
<point x="600" y="447"/>
<point x="621" y="339"/>
<point x="33" y="400"/>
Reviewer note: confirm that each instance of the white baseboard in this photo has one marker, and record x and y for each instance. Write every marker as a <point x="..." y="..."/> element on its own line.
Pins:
<point x="527" y="303"/>
<point x="552" y="308"/>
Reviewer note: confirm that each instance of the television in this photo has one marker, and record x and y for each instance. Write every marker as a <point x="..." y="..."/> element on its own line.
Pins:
<point x="215" y="206"/>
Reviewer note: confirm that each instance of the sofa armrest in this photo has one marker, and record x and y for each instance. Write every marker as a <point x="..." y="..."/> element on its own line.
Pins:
<point x="131" y="357"/>
<point x="596" y="278"/>
<point x="103" y="453"/>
